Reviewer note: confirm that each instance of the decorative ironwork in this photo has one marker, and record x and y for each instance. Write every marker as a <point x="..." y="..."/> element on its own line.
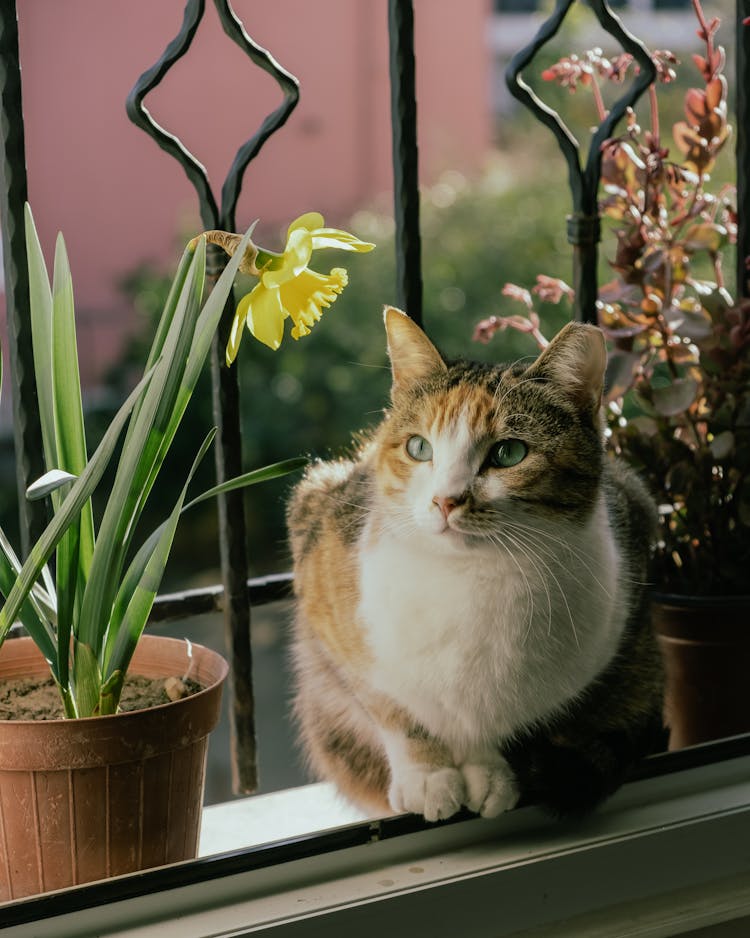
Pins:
<point x="232" y="528"/>
<point x="583" y="224"/>
<point x="405" y="157"/>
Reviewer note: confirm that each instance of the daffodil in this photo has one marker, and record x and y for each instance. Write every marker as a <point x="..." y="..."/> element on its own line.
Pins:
<point x="287" y="288"/>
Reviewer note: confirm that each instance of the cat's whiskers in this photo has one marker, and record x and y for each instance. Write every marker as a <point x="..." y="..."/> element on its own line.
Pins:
<point x="494" y="539"/>
<point x="400" y="524"/>
<point x="537" y="543"/>
<point x="563" y="594"/>
<point x="541" y="536"/>
<point x="534" y="557"/>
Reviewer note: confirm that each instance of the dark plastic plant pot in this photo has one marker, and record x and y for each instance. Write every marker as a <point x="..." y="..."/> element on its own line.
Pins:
<point x="83" y="800"/>
<point x="706" y="646"/>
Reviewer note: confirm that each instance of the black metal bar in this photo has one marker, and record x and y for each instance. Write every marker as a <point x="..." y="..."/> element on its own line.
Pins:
<point x="233" y="551"/>
<point x="207" y="599"/>
<point x="289" y="85"/>
<point x="405" y="157"/>
<point x="583" y="224"/>
<point x="141" y="117"/>
<point x="227" y="416"/>
<point x="226" y="397"/>
<point x="742" y="84"/>
<point x="27" y="429"/>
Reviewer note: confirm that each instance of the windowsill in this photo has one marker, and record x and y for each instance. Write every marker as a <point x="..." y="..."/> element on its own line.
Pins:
<point x="280" y="815"/>
<point x="666" y="855"/>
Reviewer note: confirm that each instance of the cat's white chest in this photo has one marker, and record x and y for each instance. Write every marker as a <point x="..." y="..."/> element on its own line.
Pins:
<point x="476" y="646"/>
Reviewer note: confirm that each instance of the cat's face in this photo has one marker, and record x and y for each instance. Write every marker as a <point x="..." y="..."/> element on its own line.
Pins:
<point x="469" y="448"/>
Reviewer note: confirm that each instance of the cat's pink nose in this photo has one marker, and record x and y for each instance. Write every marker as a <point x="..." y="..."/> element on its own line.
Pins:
<point x="446" y="505"/>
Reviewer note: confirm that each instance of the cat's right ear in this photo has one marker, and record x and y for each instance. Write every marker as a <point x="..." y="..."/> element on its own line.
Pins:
<point x="413" y="357"/>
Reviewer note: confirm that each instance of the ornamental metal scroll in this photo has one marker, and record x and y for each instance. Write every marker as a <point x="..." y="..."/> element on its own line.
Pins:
<point x="583" y="223"/>
<point x="232" y="527"/>
<point x="211" y="215"/>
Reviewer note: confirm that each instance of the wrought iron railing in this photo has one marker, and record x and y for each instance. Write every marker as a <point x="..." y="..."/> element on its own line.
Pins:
<point x="237" y="593"/>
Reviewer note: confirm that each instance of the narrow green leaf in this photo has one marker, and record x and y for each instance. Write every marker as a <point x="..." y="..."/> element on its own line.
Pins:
<point x="142" y="581"/>
<point x="48" y="483"/>
<point x="30" y="614"/>
<point x="150" y="441"/>
<point x="88" y="680"/>
<point x="42" y="597"/>
<point x="68" y="511"/>
<point x="134" y="473"/>
<point x="203" y="336"/>
<point x="40" y="301"/>
<point x="167" y="314"/>
<point x="70" y="432"/>
<point x="265" y="474"/>
<point x="110" y="692"/>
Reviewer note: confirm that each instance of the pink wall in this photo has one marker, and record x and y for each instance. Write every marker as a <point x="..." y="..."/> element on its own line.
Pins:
<point x="120" y="199"/>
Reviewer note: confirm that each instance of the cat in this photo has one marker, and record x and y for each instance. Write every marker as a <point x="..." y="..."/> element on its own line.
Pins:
<point x="471" y="623"/>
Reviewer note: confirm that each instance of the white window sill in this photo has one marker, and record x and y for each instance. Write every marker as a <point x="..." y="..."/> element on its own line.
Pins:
<point x="280" y="815"/>
<point x="665" y="856"/>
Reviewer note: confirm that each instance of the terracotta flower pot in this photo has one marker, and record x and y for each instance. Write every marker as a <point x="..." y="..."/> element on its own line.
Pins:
<point x="82" y="800"/>
<point x="706" y="647"/>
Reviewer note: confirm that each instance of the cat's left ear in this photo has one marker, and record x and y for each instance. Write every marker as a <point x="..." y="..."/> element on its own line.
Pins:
<point x="575" y="360"/>
<point x="413" y="357"/>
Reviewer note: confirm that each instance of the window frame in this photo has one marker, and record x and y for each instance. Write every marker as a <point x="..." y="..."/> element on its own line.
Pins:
<point x="688" y="805"/>
<point x="670" y="845"/>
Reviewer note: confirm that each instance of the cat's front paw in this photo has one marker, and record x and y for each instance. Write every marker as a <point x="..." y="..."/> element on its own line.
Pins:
<point x="490" y="786"/>
<point x="434" y="793"/>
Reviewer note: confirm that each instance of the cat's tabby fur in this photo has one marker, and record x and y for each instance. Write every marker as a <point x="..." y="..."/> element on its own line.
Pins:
<point x="471" y="626"/>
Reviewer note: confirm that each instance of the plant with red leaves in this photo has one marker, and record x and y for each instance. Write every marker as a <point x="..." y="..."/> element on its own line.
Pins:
<point x="678" y="383"/>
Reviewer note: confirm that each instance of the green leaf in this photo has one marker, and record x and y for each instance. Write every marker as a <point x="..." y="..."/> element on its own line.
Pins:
<point x="48" y="483"/>
<point x="690" y="323"/>
<point x="704" y="236"/>
<point x="70" y="432"/>
<point x="88" y="680"/>
<point x="274" y="471"/>
<point x="68" y="410"/>
<point x="675" y="398"/>
<point x="620" y="374"/>
<point x="140" y="586"/>
<point x="40" y="301"/>
<point x="31" y="614"/>
<point x="133" y="478"/>
<point x="110" y="693"/>
<point x="66" y="514"/>
<point x="141" y="583"/>
<point x="204" y="333"/>
<point x="722" y="445"/>
<point x="717" y="301"/>
<point x="152" y="429"/>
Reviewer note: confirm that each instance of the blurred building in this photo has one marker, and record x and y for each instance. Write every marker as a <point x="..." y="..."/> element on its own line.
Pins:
<point x="120" y="200"/>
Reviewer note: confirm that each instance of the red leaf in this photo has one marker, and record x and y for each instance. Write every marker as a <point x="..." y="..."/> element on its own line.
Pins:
<point x="715" y="90"/>
<point x="695" y="105"/>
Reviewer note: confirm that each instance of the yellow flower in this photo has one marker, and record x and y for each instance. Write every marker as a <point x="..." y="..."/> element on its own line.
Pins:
<point x="288" y="288"/>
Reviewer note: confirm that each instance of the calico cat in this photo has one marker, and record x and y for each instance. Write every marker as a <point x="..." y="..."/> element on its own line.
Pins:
<point x="471" y="625"/>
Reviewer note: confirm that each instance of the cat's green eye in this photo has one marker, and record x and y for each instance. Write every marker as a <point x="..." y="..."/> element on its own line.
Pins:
<point x="419" y="448"/>
<point x="507" y="453"/>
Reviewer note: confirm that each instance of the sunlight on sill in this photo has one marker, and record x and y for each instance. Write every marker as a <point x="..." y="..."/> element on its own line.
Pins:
<point x="279" y="815"/>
